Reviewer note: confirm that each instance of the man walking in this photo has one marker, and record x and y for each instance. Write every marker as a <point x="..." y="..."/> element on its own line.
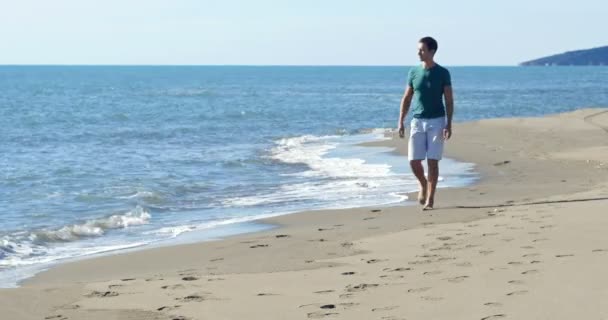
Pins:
<point x="428" y="84"/>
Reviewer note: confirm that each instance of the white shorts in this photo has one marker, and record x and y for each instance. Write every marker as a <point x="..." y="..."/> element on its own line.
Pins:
<point x="426" y="139"/>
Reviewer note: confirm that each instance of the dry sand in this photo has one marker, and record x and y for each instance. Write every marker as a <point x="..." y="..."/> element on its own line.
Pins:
<point x="527" y="241"/>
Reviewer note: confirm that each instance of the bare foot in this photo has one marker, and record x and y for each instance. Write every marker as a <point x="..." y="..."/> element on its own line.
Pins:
<point x="422" y="196"/>
<point x="428" y="205"/>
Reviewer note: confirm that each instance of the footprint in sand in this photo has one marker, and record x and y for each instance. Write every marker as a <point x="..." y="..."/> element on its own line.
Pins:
<point x="180" y="318"/>
<point x="189" y="278"/>
<point x="486" y="252"/>
<point x="376" y="210"/>
<point x="442" y="248"/>
<point x="168" y="308"/>
<point x="320" y="314"/>
<point x="217" y="259"/>
<point x="346" y="296"/>
<point x="369" y="218"/>
<point x="432" y="273"/>
<point x="99" y="294"/>
<point x="599" y="250"/>
<point x="56" y="317"/>
<point x="372" y="261"/>
<point x="518" y="282"/>
<point x="418" y="290"/>
<point x="417" y="262"/>
<point x="348" y="273"/>
<point x="71" y="307"/>
<point x="494" y="316"/>
<point x="535" y="261"/>
<point x="324" y="229"/>
<point x="402" y="269"/>
<point x="154" y="279"/>
<point x="324" y="291"/>
<point x="173" y="287"/>
<point x="361" y="287"/>
<point x="493" y="304"/>
<point x="282" y="236"/>
<point x="530" y="255"/>
<point x="517" y="293"/>
<point x="265" y="294"/>
<point x="444" y="238"/>
<point x="534" y="271"/>
<point x="392" y="276"/>
<point x="348" y="305"/>
<point x="516" y="263"/>
<point x="430" y="298"/>
<point x="192" y="298"/>
<point x="127" y="279"/>
<point x="490" y="234"/>
<point x="385" y="308"/>
<point x="456" y="279"/>
<point x="259" y="246"/>
<point x="564" y="255"/>
<point x="463" y="264"/>
<point x="446" y="258"/>
<point x="527" y="247"/>
<point x="539" y="240"/>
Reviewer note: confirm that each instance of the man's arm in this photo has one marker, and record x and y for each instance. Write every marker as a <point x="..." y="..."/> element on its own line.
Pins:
<point x="405" y="107"/>
<point x="449" y="110"/>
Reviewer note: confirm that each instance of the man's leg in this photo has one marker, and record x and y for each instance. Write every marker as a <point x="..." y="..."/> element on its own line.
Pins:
<point x="416" y="153"/>
<point x="431" y="183"/>
<point x="418" y="171"/>
<point x="434" y="154"/>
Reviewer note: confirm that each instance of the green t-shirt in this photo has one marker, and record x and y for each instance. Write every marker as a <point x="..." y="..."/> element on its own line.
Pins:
<point x="428" y="85"/>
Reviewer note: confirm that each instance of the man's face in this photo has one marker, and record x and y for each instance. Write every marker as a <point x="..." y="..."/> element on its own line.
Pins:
<point x="424" y="53"/>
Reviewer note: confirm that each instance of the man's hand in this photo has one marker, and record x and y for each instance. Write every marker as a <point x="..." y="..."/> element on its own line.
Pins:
<point x="401" y="131"/>
<point x="447" y="132"/>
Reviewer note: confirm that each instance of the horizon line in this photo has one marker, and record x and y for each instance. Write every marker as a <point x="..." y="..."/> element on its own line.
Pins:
<point x="238" y="65"/>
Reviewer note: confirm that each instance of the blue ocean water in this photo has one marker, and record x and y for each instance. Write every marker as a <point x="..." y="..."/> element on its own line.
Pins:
<point x="100" y="158"/>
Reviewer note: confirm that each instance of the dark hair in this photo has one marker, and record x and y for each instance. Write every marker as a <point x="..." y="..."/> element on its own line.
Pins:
<point x="430" y="43"/>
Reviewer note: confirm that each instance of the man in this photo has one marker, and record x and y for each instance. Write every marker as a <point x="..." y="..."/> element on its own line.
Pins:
<point x="427" y="85"/>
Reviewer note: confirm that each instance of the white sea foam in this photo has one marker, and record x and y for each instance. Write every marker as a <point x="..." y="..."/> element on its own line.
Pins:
<point x="177" y="230"/>
<point x="312" y="150"/>
<point x="92" y="228"/>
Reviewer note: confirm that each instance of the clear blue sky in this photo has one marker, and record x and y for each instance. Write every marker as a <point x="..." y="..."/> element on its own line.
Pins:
<point x="305" y="32"/>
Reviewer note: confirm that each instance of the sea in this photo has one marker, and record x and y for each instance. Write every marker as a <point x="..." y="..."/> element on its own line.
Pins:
<point x="102" y="159"/>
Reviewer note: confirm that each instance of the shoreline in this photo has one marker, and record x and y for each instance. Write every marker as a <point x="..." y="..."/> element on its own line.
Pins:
<point x="552" y="160"/>
<point x="226" y="231"/>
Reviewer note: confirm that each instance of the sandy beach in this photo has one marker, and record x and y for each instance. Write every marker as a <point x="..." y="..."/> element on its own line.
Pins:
<point x="527" y="241"/>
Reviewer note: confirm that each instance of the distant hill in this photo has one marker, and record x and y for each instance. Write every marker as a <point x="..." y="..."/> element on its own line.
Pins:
<point x="588" y="57"/>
